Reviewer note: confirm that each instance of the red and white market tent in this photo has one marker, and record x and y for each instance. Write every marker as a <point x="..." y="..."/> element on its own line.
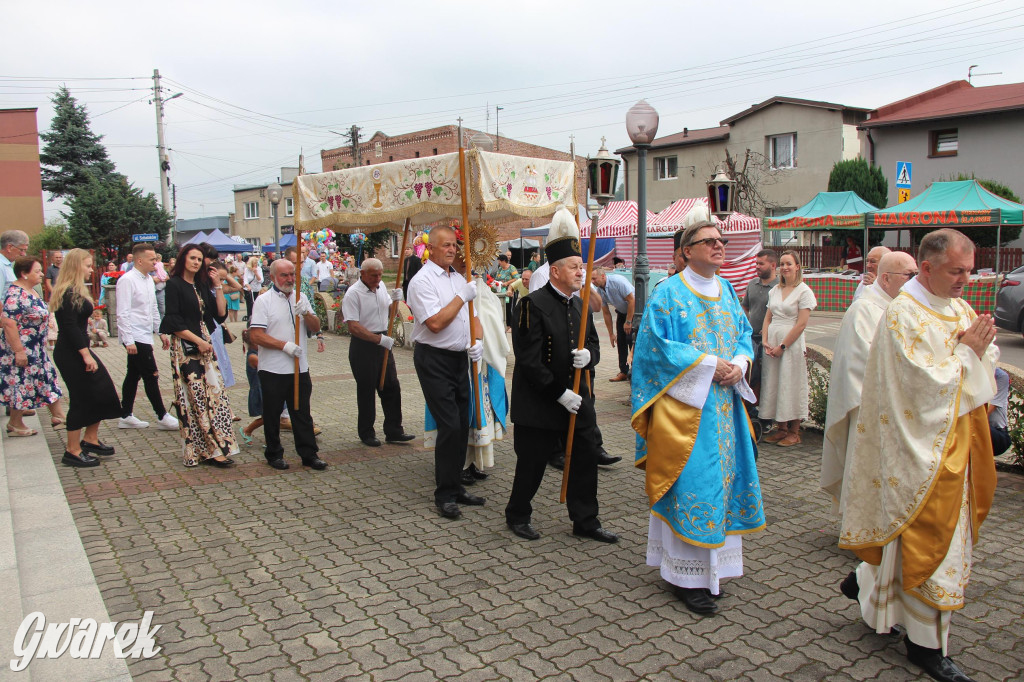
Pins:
<point x="742" y="231"/>
<point x="617" y="219"/>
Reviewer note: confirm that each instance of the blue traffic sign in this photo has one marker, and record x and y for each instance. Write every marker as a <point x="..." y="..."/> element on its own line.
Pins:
<point x="149" y="237"/>
<point x="904" y="173"/>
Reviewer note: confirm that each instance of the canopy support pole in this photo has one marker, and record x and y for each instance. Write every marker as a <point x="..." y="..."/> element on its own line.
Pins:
<point x="298" y="292"/>
<point x="467" y="249"/>
<point x="999" y="240"/>
<point x="394" y="306"/>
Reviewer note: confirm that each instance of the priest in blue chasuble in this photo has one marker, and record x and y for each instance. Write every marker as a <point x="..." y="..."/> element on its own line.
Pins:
<point x="694" y="439"/>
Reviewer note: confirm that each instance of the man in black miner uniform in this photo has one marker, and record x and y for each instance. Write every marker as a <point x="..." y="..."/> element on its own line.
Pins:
<point x="545" y="330"/>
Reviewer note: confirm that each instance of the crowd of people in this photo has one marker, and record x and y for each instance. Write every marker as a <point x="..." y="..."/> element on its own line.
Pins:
<point x="908" y="467"/>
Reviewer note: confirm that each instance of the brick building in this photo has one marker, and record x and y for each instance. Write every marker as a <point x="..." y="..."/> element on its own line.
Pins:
<point x="21" y="189"/>
<point x="381" y="148"/>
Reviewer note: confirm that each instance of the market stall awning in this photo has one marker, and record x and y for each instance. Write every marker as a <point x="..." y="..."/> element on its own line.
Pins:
<point x="963" y="203"/>
<point x="827" y="210"/>
<point x="617" y="219"/>
<point x="670" y="220"/>
<point x="197" y="238"/>
<point x="225" y="244"/>
<point x="425" y="190"/>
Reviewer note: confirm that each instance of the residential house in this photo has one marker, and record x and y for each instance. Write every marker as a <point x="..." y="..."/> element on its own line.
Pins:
<point x="254" y="215"/>
<point x="21" y="189"/>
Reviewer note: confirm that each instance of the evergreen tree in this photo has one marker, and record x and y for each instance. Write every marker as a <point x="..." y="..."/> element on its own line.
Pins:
<point x="72" y="153"/>
<point x="106" y="212"/>
<point x="53" y="237"/>
<point x="869" y="183"/>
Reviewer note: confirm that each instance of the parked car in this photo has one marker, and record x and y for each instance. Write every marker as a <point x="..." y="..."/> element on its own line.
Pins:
<point x="1010" y="302"/>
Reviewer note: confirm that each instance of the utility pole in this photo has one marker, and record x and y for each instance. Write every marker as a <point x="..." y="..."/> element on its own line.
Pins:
<point x="353" y="138"/>
<point x="165" y="164"/>
<point x="497" y="128"/>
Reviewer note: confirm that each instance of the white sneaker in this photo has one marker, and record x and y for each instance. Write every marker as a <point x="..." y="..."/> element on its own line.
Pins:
<point x="167" y="423"/>
<point x="131" y="422"/>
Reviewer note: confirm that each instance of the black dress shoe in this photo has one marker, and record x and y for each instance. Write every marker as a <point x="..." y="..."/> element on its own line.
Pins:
<point x="83" y="460"/>
<point x="449" y="510"/>
<point x="525" y="531"/>
<point x="695" y="599"/>
<point x="937" y="666"/>
<point x="716" y="597"/>
<point x="599" y="534"/>
<point x="467" y="477"/>
<point x="849" y="586"/>
<point x="604" y="459"/>
<point x="477" y="474"/>
<point x="97" y="448"/>
<point x="316" y="464"/>
<point x="471" y="500"/>
<point x="558" y="461"/>
<point x="372" y="441"/>
<point x="278" y="464"/>
<point x="219" y="463"/>
<point x="399" y="438"/>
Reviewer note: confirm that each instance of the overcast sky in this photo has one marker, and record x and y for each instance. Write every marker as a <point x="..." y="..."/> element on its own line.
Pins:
<point x="262" y="80"/>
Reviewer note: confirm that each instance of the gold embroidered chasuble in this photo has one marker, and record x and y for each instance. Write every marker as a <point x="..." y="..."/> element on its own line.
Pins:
<point x="921" y="468"/>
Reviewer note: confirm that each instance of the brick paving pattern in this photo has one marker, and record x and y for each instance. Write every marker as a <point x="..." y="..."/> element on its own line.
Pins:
<point x="351" y="574"/>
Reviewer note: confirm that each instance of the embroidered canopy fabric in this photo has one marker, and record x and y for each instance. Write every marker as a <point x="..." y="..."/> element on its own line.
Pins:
<point x="425" y="190"/>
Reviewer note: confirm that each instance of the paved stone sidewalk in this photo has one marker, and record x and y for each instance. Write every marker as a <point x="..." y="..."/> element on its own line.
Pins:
<point x="351" y="574"/>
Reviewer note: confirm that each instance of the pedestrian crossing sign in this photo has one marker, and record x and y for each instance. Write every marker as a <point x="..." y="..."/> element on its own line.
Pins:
<point x="904" y="173"/>
<point x="904" y="194"/>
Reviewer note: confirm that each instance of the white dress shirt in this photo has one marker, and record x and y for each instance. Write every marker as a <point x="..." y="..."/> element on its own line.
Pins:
<point x="368" y="308"/>
<point x="431" y="290"/>
<point x="138" y="316"/>
<point x="252" y="280"/>
<point x="273" y="311"/>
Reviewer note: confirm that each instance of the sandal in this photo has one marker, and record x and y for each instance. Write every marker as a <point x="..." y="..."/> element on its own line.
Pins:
<point x="57" y="421"/>
<point x="776" y="436"/>
<point x="790" y="440"/>
<point x="246" y="438"/>
<point x="15" y="432"/>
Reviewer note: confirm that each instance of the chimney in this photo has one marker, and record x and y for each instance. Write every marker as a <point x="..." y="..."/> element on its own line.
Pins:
<point x="686" y="132"/>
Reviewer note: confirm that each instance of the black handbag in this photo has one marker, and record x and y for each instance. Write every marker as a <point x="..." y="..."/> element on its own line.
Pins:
<point x="228" y="336"/>
<point x="188" y="347"/>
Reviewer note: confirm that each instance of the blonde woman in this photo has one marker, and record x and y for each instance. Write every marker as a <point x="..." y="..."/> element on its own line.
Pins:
<point x="92" y="397"/>
<point x="784" y="373"/>
<point x="252" y="283"/>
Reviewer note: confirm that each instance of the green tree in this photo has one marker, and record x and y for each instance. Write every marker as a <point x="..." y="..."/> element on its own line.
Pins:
<point x="54" y="236"/>
<point x="374" y="241"/>
<point x="869" y="183"/>
<point x="73" y="153"/>
<point x="105" y="213"/>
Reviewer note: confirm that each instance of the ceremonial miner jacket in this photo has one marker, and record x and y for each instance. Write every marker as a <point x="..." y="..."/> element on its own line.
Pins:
<point x="545" y="331"/>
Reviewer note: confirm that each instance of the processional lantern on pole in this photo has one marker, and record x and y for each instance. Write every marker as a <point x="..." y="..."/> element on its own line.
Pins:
<point x="721" y="194"/>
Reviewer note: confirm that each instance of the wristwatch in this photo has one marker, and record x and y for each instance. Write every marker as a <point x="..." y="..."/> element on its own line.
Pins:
<point x="782" y="346"/>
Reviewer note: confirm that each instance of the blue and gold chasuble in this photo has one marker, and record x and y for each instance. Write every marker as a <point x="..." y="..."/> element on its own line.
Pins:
<point x="701" y="477"/>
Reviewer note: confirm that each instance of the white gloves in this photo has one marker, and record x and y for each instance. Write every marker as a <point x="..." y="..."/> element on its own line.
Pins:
<point x="468" y="292"/>
<point x="580" y="358"/>
<point x="476" y="351"/>
<point x="571" y="401"/>
<point x="397" y="295"/>
<point x="303" y="307"/>
<point x="292" y="349"/>
<point x="386" y="340"/>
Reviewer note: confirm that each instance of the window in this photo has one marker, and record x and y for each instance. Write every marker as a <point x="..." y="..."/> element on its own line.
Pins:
<point x="782" y="150"/>
<point x="252" y="210"/>
<point x="666" y="167"/>
<point x="391" y="158"/>
<point x="289" y="207"/>
<point x="417" y="155"/>
<point x="435" y="151"/>
<point x="943" y="142"/>
<point x="394" y="245"/>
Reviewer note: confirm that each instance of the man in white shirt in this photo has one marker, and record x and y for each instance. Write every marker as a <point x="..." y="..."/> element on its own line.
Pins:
<point x="323" y="269"/>
<point x="437" y="297"/>
<point x="366" y="309"/>
<point x="127" y="265"/>
<point x="138" y="318"/>
<point x="271" y="329"/>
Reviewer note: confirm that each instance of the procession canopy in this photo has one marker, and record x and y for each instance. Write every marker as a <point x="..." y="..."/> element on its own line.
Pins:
<point x="827" y="210"/>
<point x="425" y="190"/>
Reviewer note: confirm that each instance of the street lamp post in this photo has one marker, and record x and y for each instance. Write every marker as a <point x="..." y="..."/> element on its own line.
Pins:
<point x="642" y="126"/>
<point x="274" y="192"/>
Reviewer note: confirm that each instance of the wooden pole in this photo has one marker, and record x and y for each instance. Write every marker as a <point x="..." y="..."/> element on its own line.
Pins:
<point x="467" y="248"/>
<point x="398" y="285"/>
<point x="584" y="318"/>
<point x="298" y="292"/>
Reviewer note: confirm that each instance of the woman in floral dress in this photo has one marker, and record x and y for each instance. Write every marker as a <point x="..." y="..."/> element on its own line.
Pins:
<point x="29" y="378"/>
<point x="194" y="305"/>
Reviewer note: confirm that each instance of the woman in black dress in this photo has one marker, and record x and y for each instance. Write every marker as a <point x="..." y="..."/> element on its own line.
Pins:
<point x="194" y="304"/>
<point x="91" y="394"/>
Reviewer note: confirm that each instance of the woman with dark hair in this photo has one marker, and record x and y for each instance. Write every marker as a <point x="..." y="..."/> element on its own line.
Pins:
<point x="194" y="305"/>
<point x="30" y="380"/>
<point x="91" y="394"/>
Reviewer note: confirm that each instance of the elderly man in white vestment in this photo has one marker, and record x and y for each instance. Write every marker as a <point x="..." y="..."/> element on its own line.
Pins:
<point x="921" y="477"/>
<point x="847" y="377"/>
<point x="871" y="264"/>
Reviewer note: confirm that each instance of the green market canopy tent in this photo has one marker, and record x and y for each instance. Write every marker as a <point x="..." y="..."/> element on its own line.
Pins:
<point x="426" y="190"/>
<point x="827" y="210"/>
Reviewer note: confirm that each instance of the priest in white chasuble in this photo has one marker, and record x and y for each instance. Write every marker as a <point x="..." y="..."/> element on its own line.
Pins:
<point x="846" y="379"/>
<point x="694" y="439"/>
<point x="921" y="477"/>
